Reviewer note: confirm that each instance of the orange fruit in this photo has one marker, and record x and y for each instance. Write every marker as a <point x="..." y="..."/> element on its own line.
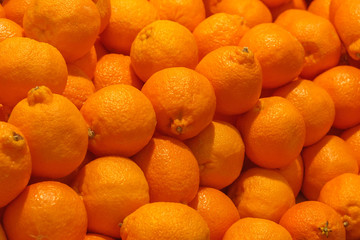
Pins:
<point x="318" y="37"/>
<point x="294" y="174"/>
<point x="170" y="168"/>
<point x="219" y="30"/>
<point x="219" y="150"/>
<point x="188" y="13"/>
<point x="343" y="85"/>
<point x="104" y="7"/>
<point x="87" y="63"/>
<point x="121" y="120"/>
<point x="352" y="138"/>
<point x="9" y="29"/>
<point x="256" y="229"/>
<point x="254" y="12"/>
<point x="217" y="209"/>
<point x="55" y="130"/>
<point x="15" y="162"/>
<point x="275" y="48"/>
<point x="70" y="26"/>
<point x="292" y="4"/>
<point x="163" y="44"/>
<point x="78" y="86"/>
<point x="236" y="75"/>
<point x="324" y="160"/>
<point x="112" y="187"/>
<point x="275" y="3"/>
<point x="315" y="105"/>
<point x="43" y="210"/>
<point x="320" y="8"/>
<point x="313" y="220"/>
<point x="94" y="236"/>
<point x="261" y="193"/>
<point x="334" y="6"/>
<point x="164" y="220"/>
<point x="341" y="193"/>
<point x="346" y="22"/>
<point x="100" y="49"/>
<point x="15" y="9"/>
<point x="273" y="132"/>
<point x="115" y="68"/>
<point x="183" y="99"/>
<point x="127" y="18"/>
<point x="25" y="64"/>
<point x="2" y="233"/>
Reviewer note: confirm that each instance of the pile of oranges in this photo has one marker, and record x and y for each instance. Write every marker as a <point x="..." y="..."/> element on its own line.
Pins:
<point x="179" y="119"/>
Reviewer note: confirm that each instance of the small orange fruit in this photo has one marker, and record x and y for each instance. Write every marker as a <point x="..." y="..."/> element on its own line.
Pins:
<point x="294" y="174"/>
<point x="352" y="138"/>
<point x="256" y="229"/>
<point x="219" y="150"/>
<point x="15" y="162"/>
<point x="46" y="210"/>
<point x="262" y="193"/>
<point x="320" y="8"/>
<point x="127" y="18"/>
<point x="9" y="29"/>
<point x="183" y="99"/>
<point x="343" y="85"/>
<point x="25" y="64"/>
<point x="254" y="12"/>
<point x="121" y="120"/>
<point x="217" y="209"/>
<point x="78" y="86"/>
<point x="94" y="236"/>
<point x="15" y="10"/>
<point x="87" y="63"/>
<point x="70" y="26"/>
<point x="275" y="48"/>
<point x="324" y="160"/>
<point x="115" y="68"/>
<point x="315" y="105"/>
<point x="104" y="7"/>
<point x="164" y="220"/>
<point x="170" y="168"/>
<point x="188" y="13"/>
<point x="163" y="44"/>
<point x="292" y="4"/>
<point x="236" y="76"/>
<point x="55" y="131"/>
<point x="219" y="30"/>
<point x="112" y="188"/>
<point x="334" y="6"/>
<point x="273" y="132"/>
<point x="318" y="37"/>
<point x="341" y="193"/>
<point x="313" y="220"/>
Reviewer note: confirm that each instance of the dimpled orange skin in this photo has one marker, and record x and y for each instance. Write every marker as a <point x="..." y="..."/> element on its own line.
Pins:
<point x="315" y="105"/>
<point x="127" y="18"/>
<point x="27" y="63"/>
<point x="186" y="12"/>
<point x="165" y="220"/>
<point x="236" y="75"/>
<point x="121" y="120"/>
<point x="324" y="160"/>
<point x="71" y="26"/>
<point x="217" y="209"/>
<point x="46" y="210"/>
<point x="273" y="132"/>
<point x="163" y="44"/>
<point x="112" y="187"/>
<point x="9" y="29"/>
<point x="15" y="162"/>
<point x="184" y="101"/>
<point x="280" y="54"/>
<point x="318" y="37"/>
<point x="262" y="193"/>
<point x="55" y="130"/>
<point x="313" y="220"/>
<point x="249" y="228"/>
<point x="170" y="168"/>
<point x="218" y="30"/>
